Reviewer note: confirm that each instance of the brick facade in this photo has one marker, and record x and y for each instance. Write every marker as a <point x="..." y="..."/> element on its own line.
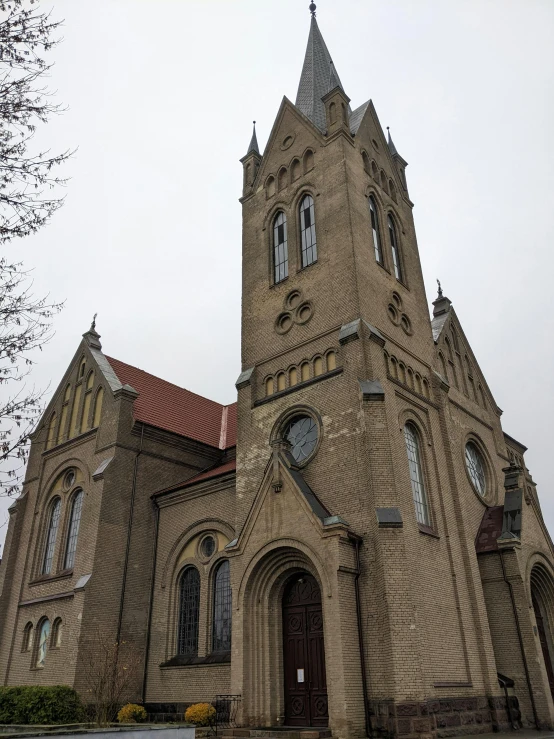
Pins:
<point x="419" y="616"/>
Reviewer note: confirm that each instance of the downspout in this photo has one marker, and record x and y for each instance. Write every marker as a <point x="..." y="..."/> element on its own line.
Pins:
<point x="358" y="543"/>
<point x="128" y="546"/>
<point x="150" y="605"/>
<point x="520" y="639"/>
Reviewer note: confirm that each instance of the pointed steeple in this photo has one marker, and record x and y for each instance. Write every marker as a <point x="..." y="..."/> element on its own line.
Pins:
<point x="392" y="147"/>
<point x="92" y="337"/>
<point x="253" y="142"/>
<point x="315" y="79"/>
<point x="442" y="304"/>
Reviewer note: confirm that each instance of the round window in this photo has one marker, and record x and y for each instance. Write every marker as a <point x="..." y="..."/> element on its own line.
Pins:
<point x="207" y="546"/>
<point x="69" y="479"/>
<point x="302" y="435"/>
<point x="476" y="468"/>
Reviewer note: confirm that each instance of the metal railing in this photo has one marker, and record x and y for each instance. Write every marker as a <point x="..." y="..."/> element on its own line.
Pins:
<point x="226" y="713"/>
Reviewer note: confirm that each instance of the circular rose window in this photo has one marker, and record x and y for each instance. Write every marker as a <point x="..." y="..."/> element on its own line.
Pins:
<point x="302" y="435"/>
<point x="476" y="468"/>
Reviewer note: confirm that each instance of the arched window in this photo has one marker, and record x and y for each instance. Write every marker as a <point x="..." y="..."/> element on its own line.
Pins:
<point x="281" y="382"/>
<point x="270" y="186"/>
<point x="280" y="247"/>
<point x="85" y="421"/>
<point x="269" y="386"/>
<point x="367" y="165"/>
<point x="98" y="407"/>
<point x="221" y="641"/>
<point x="375" y="231"/>
<point x="63" y="420"/>
<point x="44" y="633"/>
<point x="51" y="431"/>
<point x="318" y="367"/>
<point x="293" y="377"/>
<point x="282" y="178"/>
<point x="307" y="231"/>
<point x="384" y="182"/>
<point x="189" y="602"/>
<point x="74" y="425"/>
<point x="305" y="372"/>
<point x="27" y="642"/>
<point x="296" y="170"/>
<point x="331" y="361"/>
<point x="82" y="369"/>
<point x="308" y="160"/>
<point x="416" y="474"/>
<point x="53" y="523"/>
<point x="394" y="248"/>
<point x="56" y="640"/>
<point x="74" y="521"/>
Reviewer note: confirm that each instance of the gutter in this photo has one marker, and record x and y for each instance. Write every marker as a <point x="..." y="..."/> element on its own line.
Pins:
<point x="151" y="604"/>
<point x="358" y="542"/>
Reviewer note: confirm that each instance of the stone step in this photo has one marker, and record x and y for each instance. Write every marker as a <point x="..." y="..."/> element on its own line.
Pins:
<point x="286" y="732"/>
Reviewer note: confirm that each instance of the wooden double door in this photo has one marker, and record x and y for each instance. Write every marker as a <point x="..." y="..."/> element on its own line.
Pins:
<point x="304" y="654"/>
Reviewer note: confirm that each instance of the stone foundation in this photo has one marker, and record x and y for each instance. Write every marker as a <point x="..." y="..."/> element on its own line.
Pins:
<point x="442" y="717"/>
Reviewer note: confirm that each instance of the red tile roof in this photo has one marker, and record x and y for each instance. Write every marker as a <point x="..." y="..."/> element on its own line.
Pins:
<point x="175" y="409"/>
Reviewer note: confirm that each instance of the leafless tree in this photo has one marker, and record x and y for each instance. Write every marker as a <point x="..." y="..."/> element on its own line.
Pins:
<point x="25" y="176"/>
<point x="25" y="325"/>
<point x="109" y="670"/>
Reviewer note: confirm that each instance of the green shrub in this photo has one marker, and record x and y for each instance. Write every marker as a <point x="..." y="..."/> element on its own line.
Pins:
<point x="34" y="704"/>
<point x="132" y="714"/>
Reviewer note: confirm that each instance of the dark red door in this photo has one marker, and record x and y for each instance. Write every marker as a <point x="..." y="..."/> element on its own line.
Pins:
<point x="304" y="654"/>
<point x="544" y="643"/>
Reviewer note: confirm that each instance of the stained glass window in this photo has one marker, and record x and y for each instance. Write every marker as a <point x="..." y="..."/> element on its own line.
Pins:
<point x="74" y="522"/>
<point x="280" y="247"/>
<point x="222" y="609"/>
<point x="395" y="249"/>
<point x="476" y="468"/>
<point x="43" y="642"/>
<point x="416" y="474"/>
<point x="375" y="231"/>
<point x="189" y="602"/>
<point x="307" y="231"/>
<point x="51" y="537"/>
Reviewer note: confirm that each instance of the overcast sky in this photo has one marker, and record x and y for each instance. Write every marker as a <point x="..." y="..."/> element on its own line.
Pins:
<point x="161" y="97"/>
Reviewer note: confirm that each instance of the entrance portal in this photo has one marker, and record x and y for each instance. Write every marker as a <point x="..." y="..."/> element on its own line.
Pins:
<point x="304" y="654"/>
<point x="541" y="628"/>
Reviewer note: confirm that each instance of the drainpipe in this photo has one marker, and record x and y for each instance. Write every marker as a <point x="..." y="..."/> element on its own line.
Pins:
<point x="128" y="547"/>
<point x="358" y="542"/>
<point x="150" y="605"/>
<point x="520" y="639"/>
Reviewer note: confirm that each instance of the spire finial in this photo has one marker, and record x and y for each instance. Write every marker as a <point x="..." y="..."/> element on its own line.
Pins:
<point x="313" y="8"/>
<point x="93" y="324"/>
<point x="440" y="288"/>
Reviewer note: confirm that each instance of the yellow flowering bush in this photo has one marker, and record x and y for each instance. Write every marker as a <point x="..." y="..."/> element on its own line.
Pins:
<point x="132" y="714"/>
<point x="200" y="714"/>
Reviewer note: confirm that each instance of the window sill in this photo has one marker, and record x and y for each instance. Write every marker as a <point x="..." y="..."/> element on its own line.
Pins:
<point x="380" y="264"/>
<point x="192" y="660"/>
<point x="281" y="282"/>
<point x="428" y="531"/>
<point x="51" y="578"/>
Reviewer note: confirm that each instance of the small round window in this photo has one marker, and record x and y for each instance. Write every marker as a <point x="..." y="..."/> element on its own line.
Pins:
<point x="69" y="479"/>
<point x="207" y="546"/>
<point x="476" y="468"/>
<point x="302" y="435"/>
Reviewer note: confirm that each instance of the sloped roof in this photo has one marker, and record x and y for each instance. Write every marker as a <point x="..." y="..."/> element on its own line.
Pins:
<point x="357" y="117"/>
<point x="222" y="469"/>
<point x="172" y="408"/>
<point x="489" y="530"/>
<point x="316" y="78"/>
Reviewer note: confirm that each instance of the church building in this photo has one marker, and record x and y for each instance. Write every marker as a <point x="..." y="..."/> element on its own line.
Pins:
<point x="355" y="546"/>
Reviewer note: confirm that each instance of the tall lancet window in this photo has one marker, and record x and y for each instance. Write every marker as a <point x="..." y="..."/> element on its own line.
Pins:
<point x="280" y="247"/>
<point x="307" y="230"/>
<point x="416" y="474"/>
<point x="51" y="535"/>
<point x="394" y="248"/>
<point x="74" y="522"/>
<point x="189" y="605"/>
<point x="222" y="609"/>
<point x="375" y="231"/>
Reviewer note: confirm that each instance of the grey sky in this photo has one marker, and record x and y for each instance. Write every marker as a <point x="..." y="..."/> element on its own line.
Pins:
<point x="161" y="98"/>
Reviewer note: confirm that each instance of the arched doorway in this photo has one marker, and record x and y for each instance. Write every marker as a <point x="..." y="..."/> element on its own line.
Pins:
<point x="304" y="653"/>
<point x="542" y="597"/>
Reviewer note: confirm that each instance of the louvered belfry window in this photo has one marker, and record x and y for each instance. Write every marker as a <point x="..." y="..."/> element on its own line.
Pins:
<point x="280" y="247"/>
<point x="189" y="603"/>
<point x="307" y="230"/>
<point x="222" y="609"/>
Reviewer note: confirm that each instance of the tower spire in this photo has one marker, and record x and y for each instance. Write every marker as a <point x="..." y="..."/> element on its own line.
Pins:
<point x="392" y="147"/>
<point x="315" y="78"/>
<point x="253" y="142"/>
